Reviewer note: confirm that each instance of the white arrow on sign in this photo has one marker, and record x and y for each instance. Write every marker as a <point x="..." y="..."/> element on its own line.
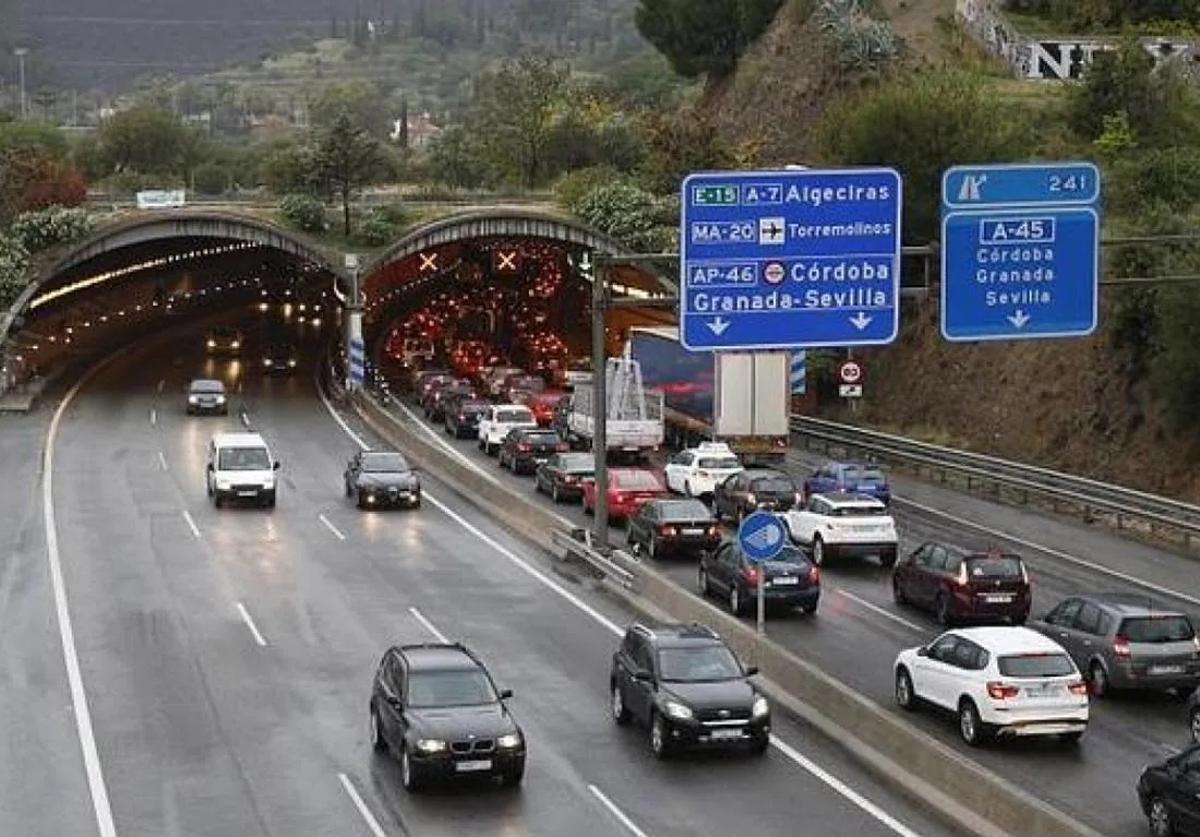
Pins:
<point x="1019" y="319"/>
<point x="860" y="320"/>
<point x="718" y="326"/>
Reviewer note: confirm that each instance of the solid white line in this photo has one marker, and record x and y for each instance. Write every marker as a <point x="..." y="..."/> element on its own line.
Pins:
<point x="1172" y="750"/>
<point x="881" y="611"/>
<point x="83" y="717"/>
<point x="429" y="626"/>
<point x="187" y="516"/>
<point x="162" y="461"/>
<point x="153" y="417"/>
<point x="250" y="624"/>
<point x="786" y="749"/>
<point x="845" y="790"/>
<point x="1131" y="579"/>
<point x="363" y="810"/>
<point x="341" y="422"/>
<point x="331" y="527"/>
<point x="616" y="812"/>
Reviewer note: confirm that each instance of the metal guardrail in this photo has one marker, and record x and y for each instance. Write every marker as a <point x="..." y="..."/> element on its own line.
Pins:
<point x="1088" y="493"/>
<point x="578" y="543"/>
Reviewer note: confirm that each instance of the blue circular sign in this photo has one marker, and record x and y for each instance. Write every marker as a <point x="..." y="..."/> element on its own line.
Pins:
<point x="762" y="536"/>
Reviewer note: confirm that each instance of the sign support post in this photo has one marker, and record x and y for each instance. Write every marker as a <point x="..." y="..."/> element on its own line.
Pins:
<point x="761" y="537"/>
<point x="599" y="279"/>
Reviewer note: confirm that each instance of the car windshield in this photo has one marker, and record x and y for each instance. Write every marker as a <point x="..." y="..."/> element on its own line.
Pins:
<point x="685" y="510"/>
<point x="857" y="511"/>
<point x="998" y="566"/>
<point x="789" y="555"/>
<point x="773" y="485"/>
<point x="542" y="438"/>
<point x="244" y="459"/>
<point x="641" y="480"/>
<point x="1036" y="665"/>
<point x="698" y="664"/>
<point x="208" y="386"/>
<point x="1174" y="628"/>
<point x="473" y="407"/>
<point x="578" y="463"/>
<point x="383" y="463"/>
<point x="531" y="384"/>
<point x="867" y="475"/>
<point x="514" y="416"/>
<point x="466" y="687"/>
<point x="719" y="462"/>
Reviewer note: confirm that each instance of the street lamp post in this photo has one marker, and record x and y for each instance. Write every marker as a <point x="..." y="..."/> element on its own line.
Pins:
<point x="21" y="52"/>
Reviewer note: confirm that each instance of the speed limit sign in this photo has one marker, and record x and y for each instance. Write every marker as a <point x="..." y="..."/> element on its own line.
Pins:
<point x="850" y="372"/>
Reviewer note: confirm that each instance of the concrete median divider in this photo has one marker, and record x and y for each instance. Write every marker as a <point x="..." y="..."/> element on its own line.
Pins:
<point x="967" y="796"/>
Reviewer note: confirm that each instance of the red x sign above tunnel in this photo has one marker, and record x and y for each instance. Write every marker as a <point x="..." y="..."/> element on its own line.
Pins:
<point x="506" y="261"/>
<point x="429" y="262"/>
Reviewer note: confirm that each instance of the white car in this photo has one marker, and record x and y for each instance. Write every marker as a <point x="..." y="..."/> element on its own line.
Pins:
<point x="498" y="420"/>
<point x="998" y="681"/>
<point x="696" y="472"/>
<point x="840" y="525"/>
<point x="240" y="467"/>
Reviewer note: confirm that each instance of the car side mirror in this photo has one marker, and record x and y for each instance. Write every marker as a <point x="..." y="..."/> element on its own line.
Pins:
<point x="275" y="467"/>
<point x="923" y="651"/>
<point x="210" y="468"/>
<point x="643" y="676"/>
<point x="751" y="671"/>
<point x="505" y="694"/>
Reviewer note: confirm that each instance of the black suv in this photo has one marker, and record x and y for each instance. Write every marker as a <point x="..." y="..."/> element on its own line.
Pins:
<point x="687" y="687"/>
<point x="436" y="708"/>
<point x="524" y="449"/>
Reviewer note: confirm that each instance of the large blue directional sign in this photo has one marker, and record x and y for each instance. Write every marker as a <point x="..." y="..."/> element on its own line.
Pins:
<point x="1020" y="251"/>
<point x="789" y="259"/>
<point x="762" y="536"/>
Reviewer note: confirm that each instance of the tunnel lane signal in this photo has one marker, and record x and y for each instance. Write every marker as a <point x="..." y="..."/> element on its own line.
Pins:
<point x="429" y="262"/>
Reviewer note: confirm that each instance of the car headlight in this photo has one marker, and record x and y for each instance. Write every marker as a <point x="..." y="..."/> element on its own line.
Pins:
<point x="235" y="345"/>
<point x="224" y="485"/>
<point x="267" y="361"/>
<point x="509" y="742"/>
<point x="431" y="745"/>
<point x="292" y="363"/>
<point x="212" y="344"/>
<point x="678" y="711"/>
<point x="192" y="399"/>
<point x="220" y="399"/>
<point x="761" y="708"/>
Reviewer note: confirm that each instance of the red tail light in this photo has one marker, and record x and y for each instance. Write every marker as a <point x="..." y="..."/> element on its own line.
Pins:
<point x="1001" y="691"/>
<point x="523" y="447"/>
<point x="714" y="532"/>
<point x="667" y="531"/>
<point x="1078" y="688"/>
<point x="1121" y="646"/>
<point x="961" y="578"/>
<point x="562" y="447"/>
<point x="814" y="574"/>
<point x="750" y="575"/>
<point x="618" y="497"/>
<point x="569" y="480"/>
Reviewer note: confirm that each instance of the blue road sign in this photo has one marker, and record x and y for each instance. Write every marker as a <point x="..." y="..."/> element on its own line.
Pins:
<point x="1020" y="251"/>
<point x="789" y="259"/>
<point x="761" y="536"/>
<point x="799" y="372"/>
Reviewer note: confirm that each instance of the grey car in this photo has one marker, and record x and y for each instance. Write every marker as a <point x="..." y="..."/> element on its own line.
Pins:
<point x="1125" y="641"/>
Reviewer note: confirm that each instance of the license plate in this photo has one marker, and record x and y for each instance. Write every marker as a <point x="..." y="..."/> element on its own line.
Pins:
<point x="693" y="531"/>
<point x="725" y="734"/>
<point x="1040" y="691"/>
<point x="1166" y="669"/>
<point x="540" y="460"/>
<point x="997" y="599"/>
<point x="247" y="493"/>
<point x="473" y="766"/>
<point x="785" y="581"/>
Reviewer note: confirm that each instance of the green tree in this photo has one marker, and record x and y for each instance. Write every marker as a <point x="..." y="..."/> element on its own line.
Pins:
<point x="360" y="100"/>
<point x="289" y="168"/>
<point x="347" y="158"/>
<point x="515" y="112"/>
<point x="143" y="140"/>
<point x="27" y="136"/>
<point x="704" y="37"/>
<point x="680" y="143"/>
<point x="457" y="158"/>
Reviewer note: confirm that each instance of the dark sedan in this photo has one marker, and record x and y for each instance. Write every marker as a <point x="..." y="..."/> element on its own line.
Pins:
<point x="280" y="359"/>
<point x="382" y="478"/>
<point x="437" y="710"/>
<point x="791" y="579"/>
<point x="562" y="475"/>
<point x="753" y="490"/>
<point x="462" y="417"/>
<point x="684" y="527"/>
<point x="438" y="397"/>
<point x="1169" y="793"/>
<point x="205" y="396"/>
<point x="523" y="450"/>
<point x="960" y="586"/>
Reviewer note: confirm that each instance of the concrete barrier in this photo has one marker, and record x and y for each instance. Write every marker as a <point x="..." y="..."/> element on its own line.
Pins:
<point x="966" y="795"/>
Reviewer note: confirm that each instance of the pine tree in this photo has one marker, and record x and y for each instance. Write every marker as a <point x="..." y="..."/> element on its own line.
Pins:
<point x="704" y="37"/>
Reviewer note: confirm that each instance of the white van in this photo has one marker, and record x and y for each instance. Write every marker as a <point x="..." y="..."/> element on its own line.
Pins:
<point x="240" y="467"/>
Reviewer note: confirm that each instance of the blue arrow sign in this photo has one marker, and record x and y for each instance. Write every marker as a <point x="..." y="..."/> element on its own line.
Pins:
<point x="789" y="259"/>
<point x="762" y="536"/>
<point x="1020" y="251"/>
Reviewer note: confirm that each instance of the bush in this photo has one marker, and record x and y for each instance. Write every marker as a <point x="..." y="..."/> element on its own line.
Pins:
<point x="1168" y="176"/>
<point x="678" y="144"/>
<point x="376" y="229"/>
<point x="34" y="232"/>
<point x="129" y="183"/>
<point x="862" y="43"/>
<point x="304" y="212"/>
<point x="211" y="179"/>
<point x="14" y="263"/>
<point x="572" y="187"/>
<point x="624" y="212"/>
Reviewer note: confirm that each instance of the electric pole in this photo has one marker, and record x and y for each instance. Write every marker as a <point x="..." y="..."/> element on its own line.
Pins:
<point x="21" y="52"/>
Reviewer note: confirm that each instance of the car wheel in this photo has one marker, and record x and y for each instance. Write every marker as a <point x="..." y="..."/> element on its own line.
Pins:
<point x="1098" y="678"/>
<point x="906" y="698"/>
<point x="760" y="746"/>
<point x="687" y="488"/>
<point x="1071" y="737"/>
<point x="1195" y="724"/>
<point x="218" y="500"/>
<point x="554" y="495"/>
<point x="651" y="549"/>
<point x="408" y="773"/>
<point x="349" y="490"/>
<point x="620" y="712"/>
<point x="513" y="778"/>
<point x="479" y="444"/>
<point x="377" y="740"/>
<point x="588" y="510"/>
<point x="1020" y="619"/>
<point x="898" y="592"/>
<point x="1159" y="817"/>
<point x="970" y="726"/>
<point x="941" y="609"/>
<point x="888" y="559"/>
<point x="735" y="601"/>
<point x="702" y="582"/>
<point x="658" y="737"/>
<point x="818" y="550"/>
<point x="740" y="515"/>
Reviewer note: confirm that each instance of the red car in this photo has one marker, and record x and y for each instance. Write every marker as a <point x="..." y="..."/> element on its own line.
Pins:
<point x="542" y="404"/>
<point x="628" y="488"/>
<point x="962" y="586"/>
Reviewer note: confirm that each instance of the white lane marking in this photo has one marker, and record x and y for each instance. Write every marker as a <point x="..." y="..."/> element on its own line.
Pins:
<point x="363" y="810"/>
<point x="337" y="534"/>
<point x="161" y="383"/>
<point x="153" y="417"/>
<point x="162" y="461"/>
<point x="187" y="516"/>
<point x="845" y="790"/>
<point x="341" y="421"/>
<point x="881" y="611"/>
<point x="250" y="624"/>
<point x="616" y="812"/>
<point x="1148" y="585"/>
<point x="1172" y="750"/>
<point x="83" y="717"/>
<point x="429" y="626"/>
<point x="784" y="748"/>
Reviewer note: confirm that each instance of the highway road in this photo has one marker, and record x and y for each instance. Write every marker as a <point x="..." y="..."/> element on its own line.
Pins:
<point x="859" y="629"/>
<point x="225" y="657"/>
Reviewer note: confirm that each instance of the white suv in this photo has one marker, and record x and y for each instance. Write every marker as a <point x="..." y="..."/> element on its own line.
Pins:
<point x="838" y="525"/>
<point x="999" y="681"/>
<point x="698" y="471"/>
<point x="240" y="467"/>
<point x="498" y="420"/>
